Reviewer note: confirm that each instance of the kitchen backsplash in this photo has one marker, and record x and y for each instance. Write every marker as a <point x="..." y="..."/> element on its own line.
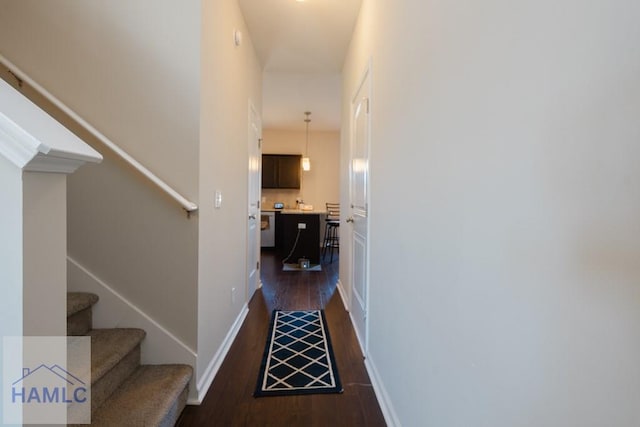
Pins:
<point x="271" y="196"/>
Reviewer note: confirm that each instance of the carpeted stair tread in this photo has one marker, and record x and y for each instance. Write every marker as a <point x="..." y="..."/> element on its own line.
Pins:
<point x="109" y="346"/>
<point x="153" y="396"/>
<point x="78" y="301"/>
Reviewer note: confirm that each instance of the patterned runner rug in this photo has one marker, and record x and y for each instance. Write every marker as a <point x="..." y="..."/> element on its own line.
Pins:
<point x="298" y="358"/>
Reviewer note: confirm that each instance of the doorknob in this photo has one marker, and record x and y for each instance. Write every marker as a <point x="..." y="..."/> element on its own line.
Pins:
<point x="350" y="219"/>
<point x="252" y="216"/>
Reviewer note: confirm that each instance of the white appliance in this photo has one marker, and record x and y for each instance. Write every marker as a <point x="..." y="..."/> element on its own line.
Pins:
<point x="267" y="229"/>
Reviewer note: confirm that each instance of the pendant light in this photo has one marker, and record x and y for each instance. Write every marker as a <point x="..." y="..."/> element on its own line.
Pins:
<point x="306" y="162"/>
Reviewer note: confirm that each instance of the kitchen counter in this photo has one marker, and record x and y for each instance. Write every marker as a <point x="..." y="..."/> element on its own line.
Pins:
<point x="301" y="212"/>
<point x="296" y="211"/>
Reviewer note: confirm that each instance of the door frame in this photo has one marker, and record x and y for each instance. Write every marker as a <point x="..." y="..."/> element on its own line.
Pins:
<point x="253" y="113"/>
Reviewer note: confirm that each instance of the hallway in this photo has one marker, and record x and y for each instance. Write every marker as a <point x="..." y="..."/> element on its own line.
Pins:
<point x="229" y="401"/>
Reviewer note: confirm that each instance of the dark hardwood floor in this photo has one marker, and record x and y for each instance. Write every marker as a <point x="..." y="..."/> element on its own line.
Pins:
<point x="230" y="400"/>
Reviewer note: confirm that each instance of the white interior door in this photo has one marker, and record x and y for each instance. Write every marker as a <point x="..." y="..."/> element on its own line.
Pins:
<point x="253" y="222"/>
<point x="359" y="212"/>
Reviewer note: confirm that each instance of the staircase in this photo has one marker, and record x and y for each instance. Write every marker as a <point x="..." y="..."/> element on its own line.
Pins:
<point x="124" y="392"/>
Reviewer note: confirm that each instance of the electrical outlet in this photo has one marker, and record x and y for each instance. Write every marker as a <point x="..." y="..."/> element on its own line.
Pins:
<point x="302" y="226"/>
<point x="233" y="295"/>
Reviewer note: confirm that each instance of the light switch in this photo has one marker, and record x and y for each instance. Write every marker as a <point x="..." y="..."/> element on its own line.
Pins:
<point x="218" y="199"/>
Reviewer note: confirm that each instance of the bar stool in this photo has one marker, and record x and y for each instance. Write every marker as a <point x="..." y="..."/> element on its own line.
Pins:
<point x="331" y="240"/>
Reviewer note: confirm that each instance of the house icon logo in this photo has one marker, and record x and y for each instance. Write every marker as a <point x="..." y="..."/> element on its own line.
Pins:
<point x="48" y="385"/>
<point x="45" y="380"/>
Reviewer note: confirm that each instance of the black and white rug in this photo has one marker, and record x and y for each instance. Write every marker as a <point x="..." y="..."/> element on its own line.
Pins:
<point x="298" y="358"/>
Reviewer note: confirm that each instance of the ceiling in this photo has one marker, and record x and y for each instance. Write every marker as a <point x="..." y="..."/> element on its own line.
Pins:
<point x="302" y="46"/>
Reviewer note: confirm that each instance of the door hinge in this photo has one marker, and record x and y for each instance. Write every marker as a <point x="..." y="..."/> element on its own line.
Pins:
<point x="367" y="107"/>
<point x="258" y="204"/>
<point x="258" y="265"/>
<point x="259" y="142"/>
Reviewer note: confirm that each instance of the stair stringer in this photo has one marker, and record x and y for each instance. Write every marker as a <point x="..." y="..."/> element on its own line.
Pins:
<point x="114" y="311"/>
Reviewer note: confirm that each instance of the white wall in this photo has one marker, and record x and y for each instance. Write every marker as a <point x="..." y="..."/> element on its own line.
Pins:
<point x="231" y="78"/>
<point x="504" y="210"/>
<point x="132" y="70"/>
<point x="11" y="273"/>
<point x="319" y="185"/>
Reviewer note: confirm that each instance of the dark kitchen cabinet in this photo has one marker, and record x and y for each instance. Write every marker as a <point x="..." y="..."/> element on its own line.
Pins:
<point x="281" y="171"/>
<point x="269" y="171"/>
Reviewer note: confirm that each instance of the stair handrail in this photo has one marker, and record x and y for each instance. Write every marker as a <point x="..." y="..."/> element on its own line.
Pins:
<point x="186" y="204"/>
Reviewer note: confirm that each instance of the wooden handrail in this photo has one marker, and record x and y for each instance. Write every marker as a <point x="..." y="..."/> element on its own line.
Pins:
<point x="22" y="77"/>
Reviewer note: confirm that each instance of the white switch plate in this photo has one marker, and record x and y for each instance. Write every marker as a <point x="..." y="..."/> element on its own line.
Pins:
<point x="218" y="199"/>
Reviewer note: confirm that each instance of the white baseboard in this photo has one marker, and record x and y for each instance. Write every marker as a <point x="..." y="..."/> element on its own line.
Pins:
<point x="380" y="391"/>
<point x="214" y="365"/>
<point x="343" y="294"/>
<point x="390" y="416"/>
<point x="115" y="311"/>
<point x="358" y="336"/>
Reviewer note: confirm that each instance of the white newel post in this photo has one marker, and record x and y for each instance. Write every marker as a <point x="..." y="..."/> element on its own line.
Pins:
<point x="36" y="155"/>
